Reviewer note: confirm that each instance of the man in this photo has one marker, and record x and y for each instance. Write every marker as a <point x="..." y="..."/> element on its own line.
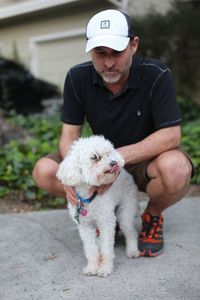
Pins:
<point x="132" y="102"/>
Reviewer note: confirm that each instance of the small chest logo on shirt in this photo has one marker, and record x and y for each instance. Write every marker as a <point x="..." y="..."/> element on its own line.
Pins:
<point x="105" y="24"/>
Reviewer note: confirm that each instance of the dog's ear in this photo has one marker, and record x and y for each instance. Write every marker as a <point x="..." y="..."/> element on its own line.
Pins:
<point x="120" y="159"/>
<point x="69" y="171"/>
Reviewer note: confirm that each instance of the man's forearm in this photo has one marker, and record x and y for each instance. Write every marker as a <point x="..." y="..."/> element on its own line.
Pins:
<point x="70" y="133"/>
<point x="64" y="146"/>
<point x="155" y="144"/>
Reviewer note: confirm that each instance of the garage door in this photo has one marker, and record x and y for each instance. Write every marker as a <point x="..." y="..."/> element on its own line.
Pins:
<point x="56" y="57"/>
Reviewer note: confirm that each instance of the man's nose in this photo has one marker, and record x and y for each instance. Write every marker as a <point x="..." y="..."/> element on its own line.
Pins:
<point x="109" y="62"/>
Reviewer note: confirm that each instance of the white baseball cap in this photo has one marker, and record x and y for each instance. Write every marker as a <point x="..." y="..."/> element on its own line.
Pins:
<point x="109" y="28"/>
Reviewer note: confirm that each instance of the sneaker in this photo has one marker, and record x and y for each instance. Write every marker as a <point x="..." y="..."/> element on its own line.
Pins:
<point x="151" y="242"/>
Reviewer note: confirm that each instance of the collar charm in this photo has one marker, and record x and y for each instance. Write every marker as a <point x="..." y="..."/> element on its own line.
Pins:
<point x="80" y="207"/>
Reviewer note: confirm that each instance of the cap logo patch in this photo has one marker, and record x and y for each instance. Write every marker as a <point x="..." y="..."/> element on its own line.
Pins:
<point x="105" y="24"/>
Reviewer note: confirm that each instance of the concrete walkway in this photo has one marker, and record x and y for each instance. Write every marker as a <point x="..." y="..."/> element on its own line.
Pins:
<point x="41" y="258"/>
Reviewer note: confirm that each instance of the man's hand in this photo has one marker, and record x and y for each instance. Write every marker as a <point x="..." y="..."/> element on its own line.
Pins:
<point x="72" y="197"/>
<point x="99" y="189"/>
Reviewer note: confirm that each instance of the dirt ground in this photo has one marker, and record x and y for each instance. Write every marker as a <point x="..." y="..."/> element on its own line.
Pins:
<point x="16" y="206"/>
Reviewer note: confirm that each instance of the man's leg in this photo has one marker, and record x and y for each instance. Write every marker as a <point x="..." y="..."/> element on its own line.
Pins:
<point x="170" y="175"/>
<point x="44" y="174"/>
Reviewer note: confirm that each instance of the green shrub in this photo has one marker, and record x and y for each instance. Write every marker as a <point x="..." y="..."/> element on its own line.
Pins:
<point x="190" y="143"/>
<point x="18" y="157"/>
<point x="190" y="111"/>
<point x="191" y="133"/>
<point x="175" y="39"/>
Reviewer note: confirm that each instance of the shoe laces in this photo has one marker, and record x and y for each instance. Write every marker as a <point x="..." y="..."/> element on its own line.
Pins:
<point x="151" y="226"/>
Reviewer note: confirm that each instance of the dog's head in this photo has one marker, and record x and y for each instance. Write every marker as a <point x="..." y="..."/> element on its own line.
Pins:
<point x="92" y="161"/>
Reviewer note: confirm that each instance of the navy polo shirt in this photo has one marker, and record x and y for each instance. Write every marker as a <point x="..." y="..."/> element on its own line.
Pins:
<point x="148" y="102"/>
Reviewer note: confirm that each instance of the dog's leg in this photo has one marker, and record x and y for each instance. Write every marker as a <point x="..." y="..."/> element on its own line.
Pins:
<point x="106" y="244"/>
<point x="88" y="236"/>
<point x="125" y="217"/>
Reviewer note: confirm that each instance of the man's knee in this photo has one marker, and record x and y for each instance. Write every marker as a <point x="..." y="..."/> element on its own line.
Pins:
<point x="44" y="169"/>
<point x="38" y="170"/>
<point x="175" y="170"/>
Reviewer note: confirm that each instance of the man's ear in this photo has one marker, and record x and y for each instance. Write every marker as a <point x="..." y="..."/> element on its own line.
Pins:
<point x="134" y="44"/>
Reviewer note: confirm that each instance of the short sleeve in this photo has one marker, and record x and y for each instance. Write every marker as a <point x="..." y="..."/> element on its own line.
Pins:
<point x="72" y="111"/>
<point x="165" y="110"/>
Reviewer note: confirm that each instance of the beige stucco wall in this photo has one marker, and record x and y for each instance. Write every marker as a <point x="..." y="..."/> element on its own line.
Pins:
<point x="50" y="59"/>
<point x="5" y="3"/>
<point x="21" y="32"/>
<point x="141" y="7"/>
<point x="35" y="36"/>
<point x="60" y="55"/>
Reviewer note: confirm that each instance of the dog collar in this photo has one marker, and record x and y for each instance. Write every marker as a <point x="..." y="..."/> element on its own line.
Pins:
<point x="86" y="200"/>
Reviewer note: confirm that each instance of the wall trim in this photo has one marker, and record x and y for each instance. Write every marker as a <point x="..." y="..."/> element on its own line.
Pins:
<point x="30" y="6"/>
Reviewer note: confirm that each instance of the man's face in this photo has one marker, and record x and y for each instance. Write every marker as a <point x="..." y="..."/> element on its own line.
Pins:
<point x="113" y="66"/>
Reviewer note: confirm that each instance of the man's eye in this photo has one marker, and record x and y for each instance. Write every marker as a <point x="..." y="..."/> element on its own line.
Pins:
<point x="100" y="53"/>
<point x="117" y="53"/>
<point x="96" y="157"/>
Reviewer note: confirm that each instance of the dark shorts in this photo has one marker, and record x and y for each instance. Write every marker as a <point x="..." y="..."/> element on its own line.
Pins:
<point x="55" y="156"/>
<point x="138" y="170"/>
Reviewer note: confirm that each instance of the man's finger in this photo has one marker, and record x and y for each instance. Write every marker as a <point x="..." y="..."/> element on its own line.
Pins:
<point x="92" y="190"/>
<point x="71" y="195"/>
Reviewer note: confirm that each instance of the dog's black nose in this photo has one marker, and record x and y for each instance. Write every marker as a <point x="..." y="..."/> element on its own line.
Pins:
<point x="113" y="163"/>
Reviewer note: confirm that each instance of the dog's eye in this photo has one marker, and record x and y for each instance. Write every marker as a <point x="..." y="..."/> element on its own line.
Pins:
<point x="95" y="157"/>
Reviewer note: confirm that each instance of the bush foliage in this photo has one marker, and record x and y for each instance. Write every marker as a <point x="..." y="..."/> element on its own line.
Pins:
<point x="190" y="143"/>
<point x="18" y="157"/>
<point x="175" y="39"/>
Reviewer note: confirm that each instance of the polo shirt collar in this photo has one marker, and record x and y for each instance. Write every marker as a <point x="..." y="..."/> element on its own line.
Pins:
<point x="134" y="76"/>
<point x="135" y="73"/>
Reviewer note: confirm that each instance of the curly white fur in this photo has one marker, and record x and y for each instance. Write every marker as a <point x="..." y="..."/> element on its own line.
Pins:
<point x="90" y="162"/>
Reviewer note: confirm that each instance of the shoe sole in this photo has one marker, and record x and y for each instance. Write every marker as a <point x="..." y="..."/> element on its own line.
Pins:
<point x="148" y="253"/>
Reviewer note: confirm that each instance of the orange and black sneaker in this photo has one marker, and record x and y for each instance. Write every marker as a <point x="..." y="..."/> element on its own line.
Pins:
<point x="151" y="242"/>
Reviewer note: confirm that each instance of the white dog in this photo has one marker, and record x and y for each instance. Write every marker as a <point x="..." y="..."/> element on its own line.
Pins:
<point x="91" y="162"/>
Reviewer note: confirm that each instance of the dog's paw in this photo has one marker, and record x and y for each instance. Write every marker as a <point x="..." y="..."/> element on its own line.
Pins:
<point x="90" y="270"/>
<point x="105" y="268"/>
<point x="106" y="265"/>
<point x="131" y="252"/>
<point x="104" y="271"/>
